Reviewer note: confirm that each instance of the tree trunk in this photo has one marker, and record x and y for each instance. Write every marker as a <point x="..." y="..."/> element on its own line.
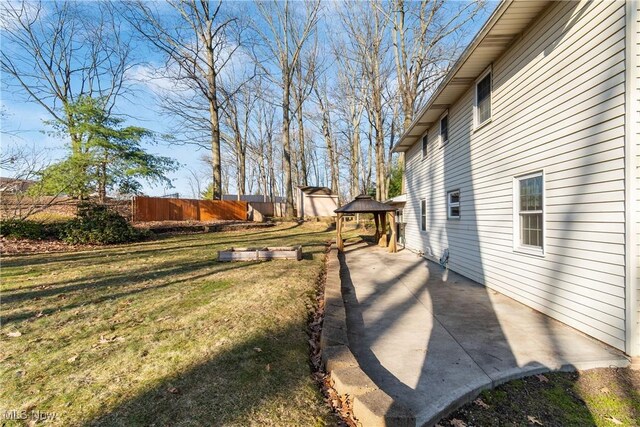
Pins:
<point x="215" y="153"/>
<point x="286" y="143"/>
<point x="355" y="162"/>
<point x="241" y="162"/>
<point x="303" y="157"/>
<point x="102" y="183"/>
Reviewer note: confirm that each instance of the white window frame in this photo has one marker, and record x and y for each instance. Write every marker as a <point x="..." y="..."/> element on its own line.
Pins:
<point x="517" y="245"/>
<point x="451" y="204"/>
<point x="423" y="214"/>
<point x="443" y="143"/>
<point x="476" y="123"/>
<point x="424" y="146"/>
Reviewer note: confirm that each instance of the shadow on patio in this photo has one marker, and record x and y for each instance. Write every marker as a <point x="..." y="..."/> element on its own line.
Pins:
<point x="432" y="339"/>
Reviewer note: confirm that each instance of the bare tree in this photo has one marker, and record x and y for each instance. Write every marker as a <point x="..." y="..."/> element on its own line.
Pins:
<point x="303" y="83"/>
<point x="21" y="194"/>
<point x="426" y="39"/>
<point x="238" y="112"/>
<point x="325" y="110"/>
<point x="366" y="26"/>
<point x="350" y="104"/>
<point x="198" y="41"/>
<point x="58" y="52"/>
<point x="284" y="34"/>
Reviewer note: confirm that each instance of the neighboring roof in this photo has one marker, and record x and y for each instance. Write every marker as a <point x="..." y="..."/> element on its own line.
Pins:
<point x="315" y="190"/>
<point x="507" y="22"/>
<point x="364" y="204"/>
<point x="402" y="198"/>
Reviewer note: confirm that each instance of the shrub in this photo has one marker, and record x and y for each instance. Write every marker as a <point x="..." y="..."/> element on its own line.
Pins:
<point x="99" y="225"/>
<point x="27" y="229"/>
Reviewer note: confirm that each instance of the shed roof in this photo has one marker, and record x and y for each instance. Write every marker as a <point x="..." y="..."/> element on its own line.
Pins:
<point x="315" y="190"/>
<point x="364" y="204"/>
<point x="507" y="22"/>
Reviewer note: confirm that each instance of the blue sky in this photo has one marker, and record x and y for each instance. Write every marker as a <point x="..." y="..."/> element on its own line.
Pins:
<point x="23" y="121"/>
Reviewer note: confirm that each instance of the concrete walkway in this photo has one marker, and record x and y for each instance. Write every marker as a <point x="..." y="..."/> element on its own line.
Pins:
<point x="432" y="339"/>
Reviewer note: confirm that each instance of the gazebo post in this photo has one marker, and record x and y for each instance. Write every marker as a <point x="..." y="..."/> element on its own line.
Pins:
<point x="376" y="218"/>
<point x="392" y="224"/>
<point x="383" y="232"/>
<point x="339" y="241"/>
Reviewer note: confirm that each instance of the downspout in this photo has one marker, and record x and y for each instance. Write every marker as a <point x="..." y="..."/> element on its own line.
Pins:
<point x="632" y="333"/>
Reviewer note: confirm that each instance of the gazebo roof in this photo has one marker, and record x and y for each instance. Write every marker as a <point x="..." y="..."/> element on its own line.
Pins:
<point x="364" y="204"/>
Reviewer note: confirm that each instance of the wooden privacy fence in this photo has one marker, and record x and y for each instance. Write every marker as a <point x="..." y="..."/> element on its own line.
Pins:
<point x="166" y="209"/>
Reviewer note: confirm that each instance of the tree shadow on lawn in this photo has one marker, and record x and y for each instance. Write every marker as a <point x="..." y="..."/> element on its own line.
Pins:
<point x="132" y="280"/>
<point x="105" y="280"/>
<point x="262" y="380"/>
<point x="146" y="272"/>
<point x="104" y="255"/>
<point x="41" y="311"/>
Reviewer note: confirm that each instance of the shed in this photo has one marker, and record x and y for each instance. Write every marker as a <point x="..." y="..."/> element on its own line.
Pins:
<point x="316" y="201"/>
<point x="381" y="212"/>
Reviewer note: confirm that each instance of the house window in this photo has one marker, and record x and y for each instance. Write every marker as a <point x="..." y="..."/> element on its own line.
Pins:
<point x="444" y="130"/>
<point x="530" y="210"/>
<point x="424" y="146"/>
<point x="453" y="204"/>
<point x="483" y="99"/>
<point x="423" y="215"/>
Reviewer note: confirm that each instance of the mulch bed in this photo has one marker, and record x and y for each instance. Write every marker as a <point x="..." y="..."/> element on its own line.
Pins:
<point x="27" y="246"/>
<point x="161" y="227"/>
<point x="597" y="397"/>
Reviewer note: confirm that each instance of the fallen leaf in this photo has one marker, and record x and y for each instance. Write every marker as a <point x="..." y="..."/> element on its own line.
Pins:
<point x="534" y="420"/>
<point x="481" y="403"/>
<point x="173" y="390"/>
<point x="457" y="423"/>
<point x="257" y="349"/>
<point x="14" y="334"/>
<point x="542" y="378"/>
<point x="614" y="420"/>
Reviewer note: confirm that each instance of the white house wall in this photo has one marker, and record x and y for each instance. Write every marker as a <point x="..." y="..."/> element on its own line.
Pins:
<point x="558" y="105"/>
<point x="637" y="139"/>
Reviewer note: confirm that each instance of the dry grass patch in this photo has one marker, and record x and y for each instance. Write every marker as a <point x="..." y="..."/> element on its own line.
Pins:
<point x="160" y="333"/>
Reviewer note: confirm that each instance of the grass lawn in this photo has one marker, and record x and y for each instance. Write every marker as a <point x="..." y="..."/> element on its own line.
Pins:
<point x="597" y="397"/>
<point x="160" y="333"/>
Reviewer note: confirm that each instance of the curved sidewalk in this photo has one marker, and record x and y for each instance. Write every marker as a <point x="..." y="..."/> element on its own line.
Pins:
<point x="432" y="340"/>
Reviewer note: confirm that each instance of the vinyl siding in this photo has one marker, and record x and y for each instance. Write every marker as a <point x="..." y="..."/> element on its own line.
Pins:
<point x="637" y="117"/>
<point x="558" y="105"/>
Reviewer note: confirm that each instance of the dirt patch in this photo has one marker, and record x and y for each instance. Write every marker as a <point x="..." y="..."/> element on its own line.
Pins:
<point x="597" y="397"/>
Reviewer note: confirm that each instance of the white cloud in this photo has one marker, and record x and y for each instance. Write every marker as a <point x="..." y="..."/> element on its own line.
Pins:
<point x="12" y="12"/>
<point x="151" y="77"/>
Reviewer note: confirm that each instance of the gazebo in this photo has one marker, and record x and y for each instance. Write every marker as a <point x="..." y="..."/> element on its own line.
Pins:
<point x="380" y="211"/>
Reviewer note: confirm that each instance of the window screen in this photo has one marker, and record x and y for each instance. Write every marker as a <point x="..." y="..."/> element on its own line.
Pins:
<point x="483" y="97"/>
<point x="444" y="129"/>
<point x="530" y="205"/>
<point x="424" y="146"/>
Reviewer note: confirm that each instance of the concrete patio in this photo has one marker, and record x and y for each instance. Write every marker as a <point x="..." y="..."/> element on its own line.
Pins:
<point x="432" y="339"/>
